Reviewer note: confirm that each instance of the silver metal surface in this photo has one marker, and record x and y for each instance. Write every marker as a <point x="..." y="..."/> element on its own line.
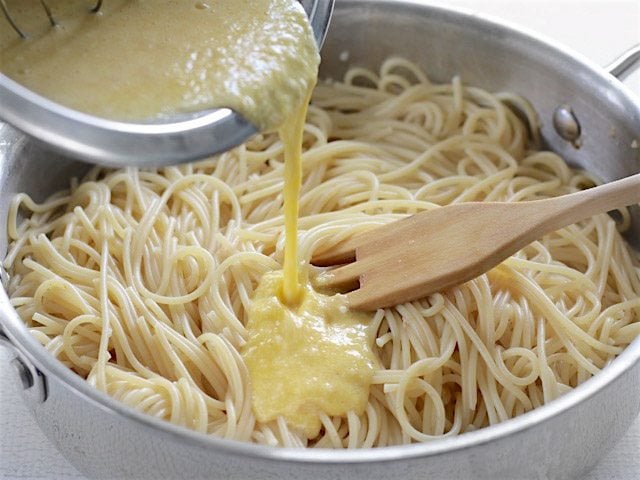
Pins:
<point x="31" y="379"/>
<point x="117" y="144"/>
<point x="563" y="439"/>
<point x="566" y="124"/>
<point x="624" y="65"/>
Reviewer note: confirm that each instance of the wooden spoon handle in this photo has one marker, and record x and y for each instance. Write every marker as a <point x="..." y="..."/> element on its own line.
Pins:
<point x="446" y="246"/>
<point x="568" y="209"/>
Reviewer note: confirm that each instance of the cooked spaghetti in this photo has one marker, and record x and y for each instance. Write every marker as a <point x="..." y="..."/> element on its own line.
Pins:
<point x="141" y="281"/>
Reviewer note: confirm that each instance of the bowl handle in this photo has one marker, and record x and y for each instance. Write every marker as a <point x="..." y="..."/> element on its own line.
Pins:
<point x="32" y="380"/>
<point x="625" y="64"/>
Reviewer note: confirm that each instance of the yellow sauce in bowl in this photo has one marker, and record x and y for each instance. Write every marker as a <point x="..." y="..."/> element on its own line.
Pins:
<point x="257" y="57"/>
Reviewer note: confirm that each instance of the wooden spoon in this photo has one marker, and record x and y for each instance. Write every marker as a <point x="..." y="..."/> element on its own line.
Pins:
<point x="440" y="248"/>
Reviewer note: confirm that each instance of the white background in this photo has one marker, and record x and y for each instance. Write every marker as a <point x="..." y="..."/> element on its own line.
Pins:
<point x="599" y="29"/>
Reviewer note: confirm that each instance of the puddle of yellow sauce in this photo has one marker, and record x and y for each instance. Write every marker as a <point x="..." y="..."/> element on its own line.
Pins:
<point x="306" y="359"/>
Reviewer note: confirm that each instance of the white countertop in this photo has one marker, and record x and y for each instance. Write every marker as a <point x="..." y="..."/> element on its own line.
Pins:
<point x="599" y="29"/>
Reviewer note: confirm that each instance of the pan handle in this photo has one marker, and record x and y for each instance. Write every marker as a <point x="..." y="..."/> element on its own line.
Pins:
<point x="625" y="64"/>
<point x="32" y="380"/>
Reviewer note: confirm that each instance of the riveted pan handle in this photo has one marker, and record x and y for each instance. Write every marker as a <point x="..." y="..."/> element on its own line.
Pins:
<point x="31" y="379"/>
<point x="625" y="64"/>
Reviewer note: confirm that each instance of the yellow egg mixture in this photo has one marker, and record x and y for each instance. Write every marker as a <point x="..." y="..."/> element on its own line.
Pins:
<point x="140" y="59"/>
<point x="307" y="354"/>
<point x="309" y="358"/>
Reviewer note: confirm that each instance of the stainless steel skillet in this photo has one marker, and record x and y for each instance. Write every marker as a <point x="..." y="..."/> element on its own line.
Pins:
<point x="561" y="440"/>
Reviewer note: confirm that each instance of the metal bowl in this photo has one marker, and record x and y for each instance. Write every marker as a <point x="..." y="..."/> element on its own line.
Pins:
<point x="111" y="143"/>
<point x="103" y="438"/>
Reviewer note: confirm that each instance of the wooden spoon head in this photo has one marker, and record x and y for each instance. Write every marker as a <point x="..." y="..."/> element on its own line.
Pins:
<point x="430" y="251"/>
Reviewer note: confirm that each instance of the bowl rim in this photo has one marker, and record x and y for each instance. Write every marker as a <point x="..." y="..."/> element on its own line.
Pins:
<point x="11" y="325"/>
